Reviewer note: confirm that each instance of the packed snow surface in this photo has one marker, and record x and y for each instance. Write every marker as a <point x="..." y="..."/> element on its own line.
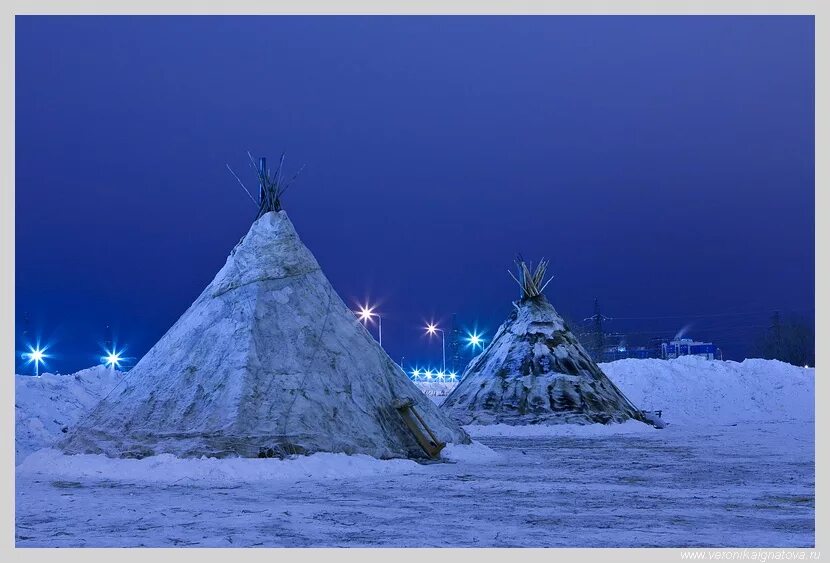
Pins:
<point x="747" y="485"/>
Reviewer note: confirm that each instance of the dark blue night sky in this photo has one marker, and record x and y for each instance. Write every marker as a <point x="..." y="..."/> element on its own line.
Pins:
<point x="662" y="164"/>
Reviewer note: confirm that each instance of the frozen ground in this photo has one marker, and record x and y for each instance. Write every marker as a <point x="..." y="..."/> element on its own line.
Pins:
<point x="745" y="485"/>
<point x="735" y="468"/>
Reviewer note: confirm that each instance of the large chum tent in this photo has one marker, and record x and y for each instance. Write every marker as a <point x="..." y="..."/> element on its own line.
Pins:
<point x="536" y="372"/>
<point x="268" y="361"/>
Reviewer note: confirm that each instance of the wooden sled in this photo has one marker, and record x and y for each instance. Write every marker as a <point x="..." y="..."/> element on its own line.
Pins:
<point x="427" y="440"/>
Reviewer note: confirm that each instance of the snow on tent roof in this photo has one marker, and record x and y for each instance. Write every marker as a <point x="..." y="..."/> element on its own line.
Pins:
<point x="268" y="361"/>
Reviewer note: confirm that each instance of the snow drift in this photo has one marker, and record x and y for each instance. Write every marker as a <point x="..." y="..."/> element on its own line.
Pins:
<point x="692" y="390"/>
<point x="169" y="469"/>
<point x="689" y="390"/>
<point x="45" y="405"/>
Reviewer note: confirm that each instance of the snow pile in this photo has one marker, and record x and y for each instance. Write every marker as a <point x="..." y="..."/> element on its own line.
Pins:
<point x="470" y="453"/>
<point x="693" y="390"/>
<point x="45" y="404"/>
<point x="689" y="391"/>
<point x="169" y="469"/>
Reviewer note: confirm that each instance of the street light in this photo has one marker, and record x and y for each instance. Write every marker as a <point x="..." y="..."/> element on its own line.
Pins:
<point x="35" y="355"/>
<point x="474" y="340"/>
<point x="365" y="314"/>
<point x="432" y="328"/>
<point x="112" y="359"/>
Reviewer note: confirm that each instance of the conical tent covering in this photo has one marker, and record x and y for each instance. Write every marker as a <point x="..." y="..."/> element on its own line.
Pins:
<point x="536" y="372"/>
<point x="268" y="361"/>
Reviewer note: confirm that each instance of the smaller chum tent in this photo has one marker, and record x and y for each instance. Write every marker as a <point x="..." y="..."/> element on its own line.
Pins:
<point x="535" y="371"/>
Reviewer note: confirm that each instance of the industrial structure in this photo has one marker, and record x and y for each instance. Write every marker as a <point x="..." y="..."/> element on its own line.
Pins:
<point x="662" y="348"/>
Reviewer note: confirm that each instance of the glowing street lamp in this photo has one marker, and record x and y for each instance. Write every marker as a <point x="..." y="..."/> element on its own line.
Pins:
<point x="112" y="359"/>
<point x="35" y="355"/>
<point x="453" y="376"/>
<point x="432" y="328"/>
<point x="365" y="314"/>
<point x="474" y="340"/>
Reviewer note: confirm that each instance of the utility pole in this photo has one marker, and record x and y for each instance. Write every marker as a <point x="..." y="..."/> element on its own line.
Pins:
<point x="598" y="333"/>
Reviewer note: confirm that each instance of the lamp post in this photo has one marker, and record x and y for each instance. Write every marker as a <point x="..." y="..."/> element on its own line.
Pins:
<point x="432" y="328"/>
<point x="365" y="314"/>
<point x="35" y="355"/>
<point x="112" y="359"/>
<point x="474" y="340"/>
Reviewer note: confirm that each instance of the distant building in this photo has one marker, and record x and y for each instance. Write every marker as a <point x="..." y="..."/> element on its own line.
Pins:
<point x="623" y="352"/>
<point x="617" y="349"/>
<point x="688" y="347"/>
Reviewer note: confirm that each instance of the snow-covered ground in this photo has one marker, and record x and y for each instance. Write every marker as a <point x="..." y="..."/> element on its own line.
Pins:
<point x="735" y="467"/>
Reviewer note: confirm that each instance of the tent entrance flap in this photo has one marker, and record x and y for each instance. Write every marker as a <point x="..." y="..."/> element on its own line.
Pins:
<point x="427" y="440"/>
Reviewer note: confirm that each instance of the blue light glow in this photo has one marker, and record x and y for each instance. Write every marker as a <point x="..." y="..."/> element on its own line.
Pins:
<point x="475" y="340"/>
<point x="36" y="355"/>
<point x="427" y="375"/>
<point x="112" y="359"/>
<point x="366" y="313"/>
